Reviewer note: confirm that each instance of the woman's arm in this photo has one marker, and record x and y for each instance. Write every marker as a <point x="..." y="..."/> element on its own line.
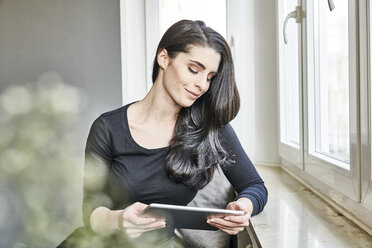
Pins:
<point x="252" y="193"/>
<point x="98" y="159"/>
<point x="242" y="174"/>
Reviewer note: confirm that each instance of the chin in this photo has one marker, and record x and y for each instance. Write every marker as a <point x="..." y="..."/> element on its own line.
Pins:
<point x="186" y="104"/>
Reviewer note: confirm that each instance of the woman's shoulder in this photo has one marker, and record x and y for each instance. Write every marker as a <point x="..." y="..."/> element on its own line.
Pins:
<point x="112" y="119"/>
<point x="106" y="118"/>
<point x="114" y="113"/>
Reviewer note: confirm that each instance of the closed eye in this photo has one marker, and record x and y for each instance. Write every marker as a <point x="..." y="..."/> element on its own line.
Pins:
<point x="192" y="70"/>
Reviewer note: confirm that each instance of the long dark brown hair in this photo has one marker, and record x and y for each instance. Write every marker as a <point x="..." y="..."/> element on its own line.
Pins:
<point x="196" y="148"/>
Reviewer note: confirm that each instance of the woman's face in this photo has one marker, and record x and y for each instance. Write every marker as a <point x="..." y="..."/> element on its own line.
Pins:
<point x="188" y="76"/>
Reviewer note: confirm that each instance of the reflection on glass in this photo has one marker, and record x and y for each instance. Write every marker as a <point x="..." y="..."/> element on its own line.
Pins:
<point x="332" y="80"/>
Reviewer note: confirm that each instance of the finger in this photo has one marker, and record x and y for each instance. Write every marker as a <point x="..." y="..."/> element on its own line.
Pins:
<point x="228" y="227"/>
<point x="152" y="217"/>
<point x="136" y="220"/>
<point x="231" y="231"/>
<point x="237" y="206"/>
<point x="237" y="218"/>
<point x="139" y="206"/>
<point x="157" y="223"/>
<point x="226" y="223"/>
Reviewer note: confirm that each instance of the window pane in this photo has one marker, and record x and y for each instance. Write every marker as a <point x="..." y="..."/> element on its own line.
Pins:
<point x="289" y="78"/>
<point x="212" y="12"/>
<point x="332" y="80"/>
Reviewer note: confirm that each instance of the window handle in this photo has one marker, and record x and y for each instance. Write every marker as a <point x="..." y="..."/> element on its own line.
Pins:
<point x="331" y="5"/>
<point x="297" y="14"/>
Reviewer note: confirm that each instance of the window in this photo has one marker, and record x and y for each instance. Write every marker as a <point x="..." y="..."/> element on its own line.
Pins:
<point x="330" y="71"/>
<point x="171" y="11"/>
<point x="334" y="69"/>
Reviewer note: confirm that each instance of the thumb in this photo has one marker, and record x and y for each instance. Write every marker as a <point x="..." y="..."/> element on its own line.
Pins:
<point x="235" y="205"/>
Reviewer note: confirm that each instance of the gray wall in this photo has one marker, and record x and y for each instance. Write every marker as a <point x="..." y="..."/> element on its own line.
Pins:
<point x="77" y="39"/>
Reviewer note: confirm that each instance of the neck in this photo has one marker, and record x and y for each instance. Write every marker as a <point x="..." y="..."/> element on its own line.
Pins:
<point x="157" y="106"/>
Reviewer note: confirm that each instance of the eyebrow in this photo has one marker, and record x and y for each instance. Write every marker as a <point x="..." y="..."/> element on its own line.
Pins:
<point x="201" y="65"/>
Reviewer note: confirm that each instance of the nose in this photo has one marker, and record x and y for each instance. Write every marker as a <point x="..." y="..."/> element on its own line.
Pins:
<point x="202" y="83"/>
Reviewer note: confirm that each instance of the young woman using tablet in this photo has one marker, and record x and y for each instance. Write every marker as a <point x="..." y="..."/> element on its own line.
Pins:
<point x="167" y="146"/>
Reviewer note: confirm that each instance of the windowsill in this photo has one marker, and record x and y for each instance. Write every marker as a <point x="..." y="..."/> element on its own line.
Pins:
<point x="296" y="217"/>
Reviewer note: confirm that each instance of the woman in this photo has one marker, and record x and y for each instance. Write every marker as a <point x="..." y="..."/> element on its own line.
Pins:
<point x="165" y="147"/>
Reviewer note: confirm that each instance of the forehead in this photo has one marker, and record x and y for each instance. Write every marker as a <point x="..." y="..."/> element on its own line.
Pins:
<point x="207" y="56"/>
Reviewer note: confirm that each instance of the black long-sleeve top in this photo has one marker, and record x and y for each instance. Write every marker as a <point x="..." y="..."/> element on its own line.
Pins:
<point x="119" y="172"/>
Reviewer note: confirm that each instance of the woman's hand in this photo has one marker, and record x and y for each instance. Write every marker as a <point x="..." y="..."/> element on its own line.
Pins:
<point x="233" y="224"/>
<point x="134" y="225"/>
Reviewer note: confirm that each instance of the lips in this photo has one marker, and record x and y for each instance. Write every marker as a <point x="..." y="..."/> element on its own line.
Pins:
<point x="192" y="94"/>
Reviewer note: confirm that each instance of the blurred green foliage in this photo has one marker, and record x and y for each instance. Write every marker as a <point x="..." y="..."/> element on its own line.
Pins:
<point x="40" y="162"/>
<point x="41" y="168"/>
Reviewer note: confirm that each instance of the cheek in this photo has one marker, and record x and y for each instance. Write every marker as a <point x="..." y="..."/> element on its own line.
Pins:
<point x="178" y="76"/>
<point x="182" y="76"/>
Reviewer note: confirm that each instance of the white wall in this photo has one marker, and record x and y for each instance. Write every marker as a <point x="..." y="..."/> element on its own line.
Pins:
<point x="252" y="26"/>
<point x="267" y="135"/>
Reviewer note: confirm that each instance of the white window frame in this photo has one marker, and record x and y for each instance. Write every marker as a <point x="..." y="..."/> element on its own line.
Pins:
<point x="365" y="102"/>
<point x="133" y="50"/>
<point x="288" y="151"/>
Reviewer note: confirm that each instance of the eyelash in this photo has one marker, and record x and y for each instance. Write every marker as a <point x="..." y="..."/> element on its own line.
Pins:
<point x="192" y="71"/>
<point x="196" y="72"/>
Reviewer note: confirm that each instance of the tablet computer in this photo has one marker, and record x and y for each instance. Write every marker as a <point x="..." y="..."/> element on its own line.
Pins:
<point x="186" y="217"/>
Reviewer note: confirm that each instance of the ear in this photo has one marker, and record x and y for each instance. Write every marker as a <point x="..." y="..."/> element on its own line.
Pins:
<point x="163" y="58"/>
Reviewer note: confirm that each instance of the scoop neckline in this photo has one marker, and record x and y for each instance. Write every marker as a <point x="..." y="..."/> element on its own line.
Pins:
<point x="126" y="122"/>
